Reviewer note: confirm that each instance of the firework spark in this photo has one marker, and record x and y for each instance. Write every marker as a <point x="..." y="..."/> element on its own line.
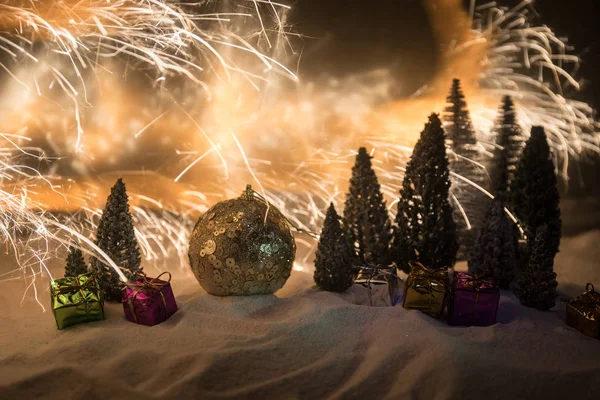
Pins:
<point x="56" y="53"/>
<point x="533" y="65"/>
<point x="216" y="115"/>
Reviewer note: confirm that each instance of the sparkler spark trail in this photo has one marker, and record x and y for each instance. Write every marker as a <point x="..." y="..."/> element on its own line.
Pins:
<point x="531" y="64"/>
<point x="56" y="51"/>
<point x="153" y="33"/>
<point x="77" y="81"/>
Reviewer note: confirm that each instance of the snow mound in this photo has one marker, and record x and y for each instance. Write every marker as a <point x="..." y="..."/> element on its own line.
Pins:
<point x="303" y="344"/>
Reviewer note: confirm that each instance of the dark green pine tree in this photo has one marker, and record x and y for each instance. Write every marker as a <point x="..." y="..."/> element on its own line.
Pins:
<point x="75" y="263"/>
<point x="116" y="237"/>
<point x="535" y="286"/>
<point x="497" y="246"/>
<point x="425" y="230"/>
<point x="366" y="220"/>
<point x="334" y="269"/>
<point x="466" y="162"/>
<point x="509" y="141"/>
<point x="534" y="191"/>
<point x="459" y="128"/>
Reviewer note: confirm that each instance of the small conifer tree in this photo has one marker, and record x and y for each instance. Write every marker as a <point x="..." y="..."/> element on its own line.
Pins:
<point x="465" y="162"/>
<point x="509" y="141"/>
<point x="366" y="220"/>
<point x="497" y="246"/>
<point x="534" y="192"/>
<point x="116" y="237"/>
<point x="425" y="230"/>
<point x="535" y="285"/>
<point x="334" y="269"/>
<point x="75" y="263"/>
<point x="459" y="128"/>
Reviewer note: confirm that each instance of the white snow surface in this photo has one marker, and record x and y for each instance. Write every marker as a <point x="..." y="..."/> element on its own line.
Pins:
<point x="301" y="343"/>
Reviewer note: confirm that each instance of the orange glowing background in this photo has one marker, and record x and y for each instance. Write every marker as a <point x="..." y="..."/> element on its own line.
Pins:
<point x="178" y="144"/>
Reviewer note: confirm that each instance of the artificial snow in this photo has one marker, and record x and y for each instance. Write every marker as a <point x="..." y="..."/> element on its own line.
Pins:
<point x="301" y="343"/>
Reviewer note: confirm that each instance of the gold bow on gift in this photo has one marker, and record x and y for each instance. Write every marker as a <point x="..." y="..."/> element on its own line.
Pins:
<point x="429" y="274"/>
<point x="69" y="287"/>
<point x="591" y="302"/>
<point x="419" y="269"/>
<point x="151" y="284"/>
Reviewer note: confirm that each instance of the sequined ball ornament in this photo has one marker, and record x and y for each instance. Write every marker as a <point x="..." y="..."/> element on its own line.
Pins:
<point x="235" y="250"/>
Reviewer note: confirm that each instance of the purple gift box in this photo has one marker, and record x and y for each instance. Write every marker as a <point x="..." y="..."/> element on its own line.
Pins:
<point x="474" y="300"/>
<point x="149" y="301"/>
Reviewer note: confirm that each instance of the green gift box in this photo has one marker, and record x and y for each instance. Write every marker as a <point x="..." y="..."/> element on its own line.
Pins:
<point x="76" y="300"/>
<point x="583" y="312"/>
<point x="426" y="290"/>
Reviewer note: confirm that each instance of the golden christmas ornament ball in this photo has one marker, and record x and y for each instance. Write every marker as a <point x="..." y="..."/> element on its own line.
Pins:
<point x="234" y="250"/>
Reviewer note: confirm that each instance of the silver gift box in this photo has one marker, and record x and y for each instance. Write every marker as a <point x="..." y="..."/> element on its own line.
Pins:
<point x="376" y="287"/>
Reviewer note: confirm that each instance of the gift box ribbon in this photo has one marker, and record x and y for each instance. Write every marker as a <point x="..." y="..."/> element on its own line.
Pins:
<point x="149" y="284"/>
<point x="478" y="282"/>
<point x="369" y="273"/>
<point x="372" y="274"/>
<point x="590" y="303"/>
<point x="418" y="269"/>
<point x="70" y="287"/>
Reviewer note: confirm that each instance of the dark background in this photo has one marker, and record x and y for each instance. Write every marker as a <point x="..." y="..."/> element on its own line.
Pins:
<point x="354" y="36"/>
<point x="348" y="37"/>
<point x="577" y="20"/>
<point x="359" y="35"/>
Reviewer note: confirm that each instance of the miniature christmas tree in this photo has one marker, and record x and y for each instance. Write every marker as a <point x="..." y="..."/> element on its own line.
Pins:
<point x="366" y="220"/>
<point x="116" y="237"/>
<point x="497" y="247"/>
<point x="334" y="270"/>
<point x="509" y="146"/>
<point x="465" y="162"/>
<point x="534" y="193"/>
<point x="459" y="127"/>
<point x="425" y="230"/>
<point x="535" y="286"/>
<point x="75" y="263"/>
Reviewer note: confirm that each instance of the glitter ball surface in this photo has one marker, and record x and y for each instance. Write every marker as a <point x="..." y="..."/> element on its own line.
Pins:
<point x="234" y="251"/>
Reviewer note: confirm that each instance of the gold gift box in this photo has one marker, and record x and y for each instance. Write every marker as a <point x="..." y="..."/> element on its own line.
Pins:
<point x="583" y="312"/>
<point x="426" y="290"/>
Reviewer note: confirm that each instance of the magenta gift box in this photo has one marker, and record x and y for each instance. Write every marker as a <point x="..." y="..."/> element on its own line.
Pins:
<point x="474" y="300"/>
<point x="149" y="301"/>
